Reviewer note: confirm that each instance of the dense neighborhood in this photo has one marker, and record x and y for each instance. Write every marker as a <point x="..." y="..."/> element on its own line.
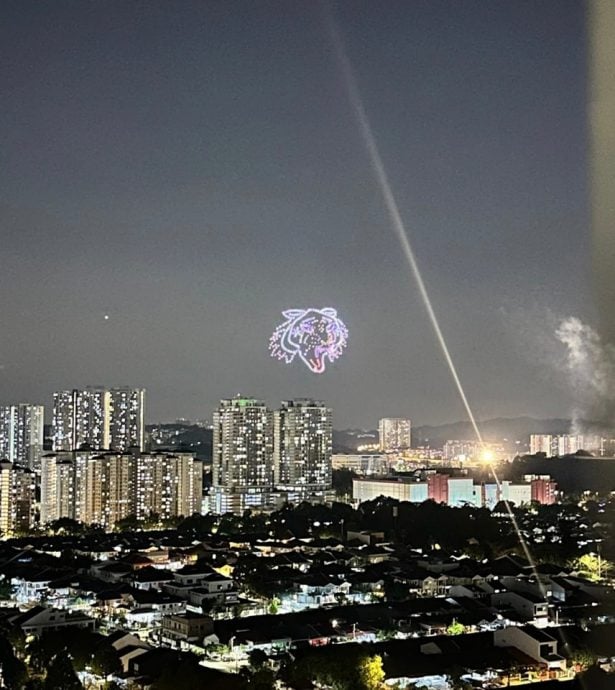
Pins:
<point x="264" y="601"/>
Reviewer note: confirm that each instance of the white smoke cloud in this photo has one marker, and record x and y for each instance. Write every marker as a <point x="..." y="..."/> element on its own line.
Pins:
<point x="590" y="366"/>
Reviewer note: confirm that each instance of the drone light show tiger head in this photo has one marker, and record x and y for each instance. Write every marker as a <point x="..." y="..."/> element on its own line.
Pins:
<point x="314" y="335"/>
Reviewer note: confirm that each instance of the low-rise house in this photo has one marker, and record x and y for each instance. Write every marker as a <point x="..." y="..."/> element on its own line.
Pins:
<point x="120" y="639"/>
<point x="186" y="627"/>
<point x="74" y="593"/>
<point x="368" y="537"/>
<point x="192" y="574"/>
<point x="109" y="601"/>
<point x="316" y="590"/>
<point x="293" y="560"/>
<point x="160" y="603"/>
<point x="128" y="647"/>
<point x="137" y="561"/>
<point x="468" y="591"/>
<point x="435" y="585"/>
<point x="112" y="571"/>
<point x="142" y="617"/>
<point x="209" y="586"/>
<point x="528" y="606"/>
<point x="594" y="589"/>
<point x="151" y="578"/>
<point x="202" y="596"/>
<point x="32" y="588"/>
<point x="373" y="553"/>
<point x="41" y="619"/>
<point x="532" y="642"/>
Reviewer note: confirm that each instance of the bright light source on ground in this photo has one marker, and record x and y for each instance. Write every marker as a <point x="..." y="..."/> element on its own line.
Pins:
<point x="487" y="456"/>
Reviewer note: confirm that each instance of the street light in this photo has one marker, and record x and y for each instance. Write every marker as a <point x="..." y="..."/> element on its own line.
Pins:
<point x="231" y="644"/>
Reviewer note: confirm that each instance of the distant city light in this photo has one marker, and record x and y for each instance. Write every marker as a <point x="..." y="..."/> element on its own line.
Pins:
<point x="315" y="335"/>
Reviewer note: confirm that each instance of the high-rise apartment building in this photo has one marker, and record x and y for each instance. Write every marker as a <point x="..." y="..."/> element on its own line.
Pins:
<point x="302" y="432"/>
<point x="99" y="418"/>
<point x="167" y="485"/>
<point x="63" y="422"/>
<point x="242" y="469"/>
<point x="126" y="418"/>
<point x="464" y="450"/>
<point x="395" y="434"/>
<point x="567" y="444"/>
<point x="17" y="497"/>
<point x="541" y="443"/>
<point x="102" y="488"/>
<point x="553" y="446"/>
<point x="87" y="486"/>
<point x="377" y="464"/>
<point x="21" y="434"/>
<point x="80" y="418"/>
<point x="57" y="487"/>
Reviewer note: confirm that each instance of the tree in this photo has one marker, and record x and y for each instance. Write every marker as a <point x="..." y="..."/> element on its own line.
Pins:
<point x="105" y="660"/>
<point x="341" y="598"/>
<point x="461" y="684"/>
<point x="262" y="679"/>
<point x="61" y="674"/>
<point x="184" y="672"/>
<point x="66" y="525"/>
<point x="583" y="658"/>
<point x="455" y="679"/>
<point x="257" y="658"/>
<point x="353" y="670"/>
<point x="456" y="628"/>
<point x="370" y="673"/>
<point x="35" y="684"/>
<point x="342" y="482"/>
<point x="127" y="524"/>
<point x="17" y="639"/>
<point x="6" y="588"/>
<point x="395" y="591"/>
<point x="274" y="606"/>
<point x="14" y="670"/>
<point x="199" y="525"/>
<point x="220" y="649"/>
<point x="43" y="649"/>
<point x="592" y="566"/>
<point x="151" y="521"/>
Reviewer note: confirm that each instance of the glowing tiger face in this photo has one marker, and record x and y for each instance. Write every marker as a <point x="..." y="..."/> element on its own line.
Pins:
<point x="315" y="335"/>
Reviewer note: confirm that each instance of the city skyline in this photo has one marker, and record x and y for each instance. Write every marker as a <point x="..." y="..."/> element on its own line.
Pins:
<point x="151" y="177"/>
<point x="307" y="369"/>
<point x="206" y="416"/>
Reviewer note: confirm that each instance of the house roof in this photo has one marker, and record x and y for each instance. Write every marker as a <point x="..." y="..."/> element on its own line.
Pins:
<point x="151" y="574"/>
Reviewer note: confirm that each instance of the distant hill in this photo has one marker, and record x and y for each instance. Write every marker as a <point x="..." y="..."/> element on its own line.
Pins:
<point x="198" y="439"/>
<point x="513" y="429"/>
<point x="348" y="440"/>
<point x="176" y="437"/>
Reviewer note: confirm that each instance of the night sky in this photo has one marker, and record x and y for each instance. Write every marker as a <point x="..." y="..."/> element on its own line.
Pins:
<point x="192" y="168"/>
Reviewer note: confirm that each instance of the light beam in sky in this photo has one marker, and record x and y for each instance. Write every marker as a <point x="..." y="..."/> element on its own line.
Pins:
<point x="363" y="123"/>
<point x="392" y="208"/>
